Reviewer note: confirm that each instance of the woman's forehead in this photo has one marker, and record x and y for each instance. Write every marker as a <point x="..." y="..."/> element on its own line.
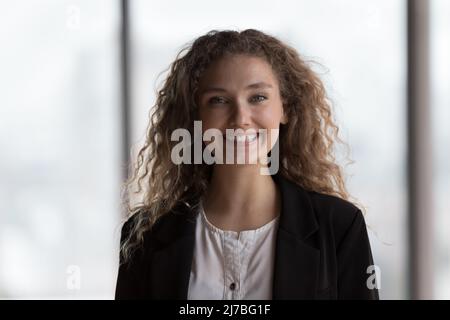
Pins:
<point x="244" y="72"/>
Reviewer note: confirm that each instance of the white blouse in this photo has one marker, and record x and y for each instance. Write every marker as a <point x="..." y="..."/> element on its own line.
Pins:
<point x="230" y="265"/>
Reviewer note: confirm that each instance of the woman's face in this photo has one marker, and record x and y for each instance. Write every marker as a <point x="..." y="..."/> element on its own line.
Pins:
<point x="242" y="92"/>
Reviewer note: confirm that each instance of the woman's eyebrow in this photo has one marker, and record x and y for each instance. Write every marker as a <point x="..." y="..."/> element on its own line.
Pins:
<point x="257" y="85"/>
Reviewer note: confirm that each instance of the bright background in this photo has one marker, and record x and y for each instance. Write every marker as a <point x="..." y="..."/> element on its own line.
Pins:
<point x="61" y="134"/>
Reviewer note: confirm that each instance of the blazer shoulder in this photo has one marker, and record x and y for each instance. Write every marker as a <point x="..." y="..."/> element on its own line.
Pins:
<point x="336" y="212"/>
<point x="130" y="224"/>
<point x="165" y="229"/>
<point x="331" y="204"/>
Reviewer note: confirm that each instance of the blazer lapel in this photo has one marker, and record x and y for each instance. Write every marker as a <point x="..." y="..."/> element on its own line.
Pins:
<point x="296" y="262"/>
<point x="170" y="267"/>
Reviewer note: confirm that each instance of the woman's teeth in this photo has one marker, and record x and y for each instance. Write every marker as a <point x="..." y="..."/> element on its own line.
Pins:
<point x="242" y="138"/>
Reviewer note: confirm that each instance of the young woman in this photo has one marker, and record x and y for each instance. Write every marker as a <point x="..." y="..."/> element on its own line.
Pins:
<point x="282" y="228"/>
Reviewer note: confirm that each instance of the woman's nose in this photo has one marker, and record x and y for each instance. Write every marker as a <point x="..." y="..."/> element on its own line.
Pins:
<point x="241" y="115"/>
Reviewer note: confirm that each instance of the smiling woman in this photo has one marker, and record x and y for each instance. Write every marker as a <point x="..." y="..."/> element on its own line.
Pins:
<point x="291" y="235"/>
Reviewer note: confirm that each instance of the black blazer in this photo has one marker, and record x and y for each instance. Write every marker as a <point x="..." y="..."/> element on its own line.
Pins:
<point x="322" y="251"/>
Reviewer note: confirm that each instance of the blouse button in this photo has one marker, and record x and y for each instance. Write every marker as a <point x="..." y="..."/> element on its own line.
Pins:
<point x="233" y="286"/>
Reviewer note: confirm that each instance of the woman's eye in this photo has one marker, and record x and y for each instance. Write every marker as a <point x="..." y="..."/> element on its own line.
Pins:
<point x="216" y="100"/>
<point x="258" y="98"/>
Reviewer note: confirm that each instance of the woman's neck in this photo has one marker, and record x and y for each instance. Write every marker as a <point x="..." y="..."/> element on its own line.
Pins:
<point x="240" y="198"/>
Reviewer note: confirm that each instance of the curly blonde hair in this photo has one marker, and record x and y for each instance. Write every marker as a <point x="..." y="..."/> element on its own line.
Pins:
<point x="306" y="141"/>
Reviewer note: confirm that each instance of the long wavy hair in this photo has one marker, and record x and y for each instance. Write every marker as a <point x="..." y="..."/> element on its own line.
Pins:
<point x="306" y="141"/>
